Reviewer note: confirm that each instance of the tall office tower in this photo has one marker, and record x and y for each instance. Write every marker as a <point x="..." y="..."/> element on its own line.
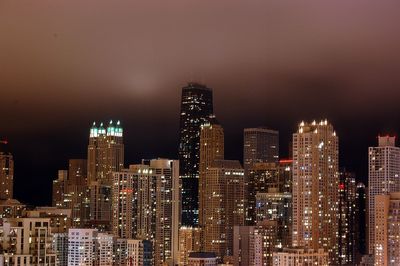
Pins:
<point x="261" y="177"/>
<point x="60" y="247"/>
<point x="26" y="241"/>
<point x="196" y="108"/>
<point x="300" y="257"/>
<point x="247" y="246"/>
<point x="6" y="172"/>
<point x="59" y="189"/>
<point x="383" y="178"/>
<point x="315" y="188"/>
<point x="211" y="149"/>
<point x="360" y="222"/>
<point x="224" y="192"/>
<point x="105" y="155"/>
<point x="189" y="241"/>
<point x="276" y="206"/>
<point x="168" y="211"/>
<point x="75" y="192"/>
<point x="347" y="208"/>
<point x="124" y="204"/>
<point x="261" y="145"/>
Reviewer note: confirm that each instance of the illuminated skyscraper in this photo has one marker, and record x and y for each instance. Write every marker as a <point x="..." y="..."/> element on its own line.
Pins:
<point x="196" y="108"/>
<point x="384" y="178"/>
<point x="6" y="172"/>
<point x="124" y="204"/>
<point x="261" y="145"/>
<point x="105" y="155"/>
<point x="387" y="233"/>
<point x="168" y="211"/>
<point x="224" y="195"/>
<point x="315" y="188"/>
<point x="211" y="149"/>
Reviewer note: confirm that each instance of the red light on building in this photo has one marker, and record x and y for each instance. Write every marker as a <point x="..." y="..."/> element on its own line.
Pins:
<point x="341" y="186"/>
<point x="286" y="161"/>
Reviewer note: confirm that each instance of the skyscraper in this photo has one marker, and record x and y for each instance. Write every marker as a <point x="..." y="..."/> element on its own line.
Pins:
<point x="124" y="204"/>
<point x="383" y="178"/>
<point x="315" y="187"/>
<point x="168" y="211"/>
<point x="6" y="172"/>
<point x="347" y="219"/>
<point x="261" y="145"/>
<point x="387" y="225"/>
<point x="196" y="108"/>
<point x="224" y="195"/>
<point x="211" y="149"/>
<point x="360" y="222"/>
<point x="76" y="191"/>
<point x="105" y="155"/>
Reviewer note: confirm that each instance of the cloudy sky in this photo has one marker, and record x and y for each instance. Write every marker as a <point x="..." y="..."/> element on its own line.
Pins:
<point x="64" y="64"/>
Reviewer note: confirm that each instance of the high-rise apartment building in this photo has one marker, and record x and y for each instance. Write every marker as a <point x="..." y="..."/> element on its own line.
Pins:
<point x="347" y="219"/>
<point x="211" y="149"/>
<point x="247" y="246"/>
<point x="146" y="200"/>
<point x="105" y="155"/>
<point x="60" y="247"/>
<point x="189" y="241"/>
<point x="261" y="145"/>
<point x="124" y="204"/>
<point x="315" y="188"/>
<point x="196" y="108"/>
<point x="168" y="211"/>
<point x="224" y="193"/>
<point x="6" y="172"/>
<point x="383" y="178"/>
<point x="387" y="229"/>
<point x="82" y="247"/>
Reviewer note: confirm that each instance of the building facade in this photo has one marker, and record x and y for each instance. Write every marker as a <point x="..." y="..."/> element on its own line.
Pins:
<point x="315" y="188"/>
<point x="196" y="108"/>
<point x="105" y="155"/>
<point x="383" y="178"/>
<point x="300" y="257"/>
<point x="6" y="172"/>
<point x="261" y="145"/>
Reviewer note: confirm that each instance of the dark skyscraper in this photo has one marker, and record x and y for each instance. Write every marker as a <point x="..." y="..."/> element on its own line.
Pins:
<point x="196" y="108"/>
<point x="6" y="172"/>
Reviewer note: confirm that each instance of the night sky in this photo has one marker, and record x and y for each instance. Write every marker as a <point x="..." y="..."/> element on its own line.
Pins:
<point x="65" y="64"/>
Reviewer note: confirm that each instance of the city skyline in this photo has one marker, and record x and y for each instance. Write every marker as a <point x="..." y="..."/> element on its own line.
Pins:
<point x="234" y="150"/>
<point x="270" y="64"/>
